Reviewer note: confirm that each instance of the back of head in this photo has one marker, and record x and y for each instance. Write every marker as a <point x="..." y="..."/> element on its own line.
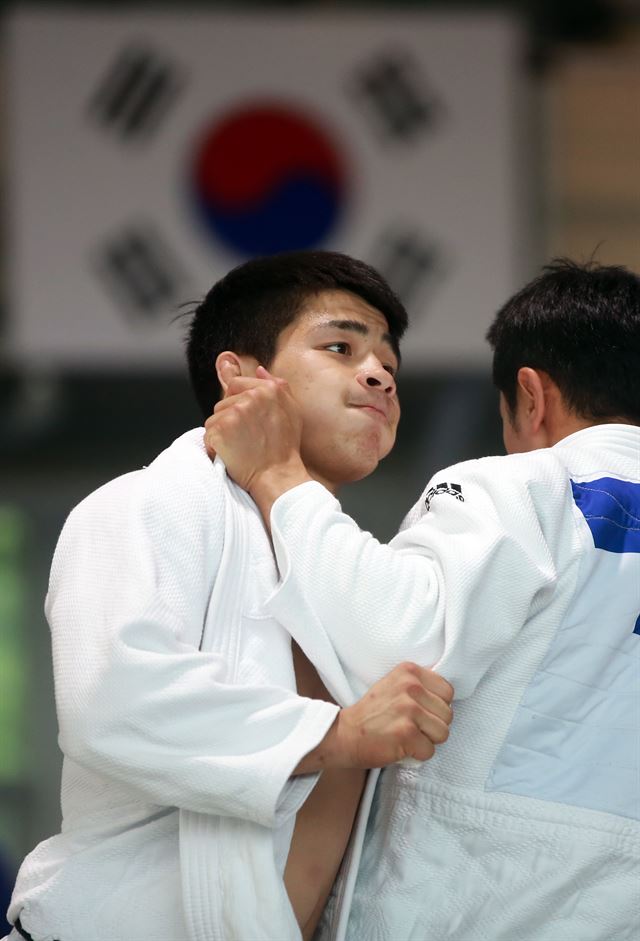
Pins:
<point x="581" y="325"/>
<point x="247" y="310"/>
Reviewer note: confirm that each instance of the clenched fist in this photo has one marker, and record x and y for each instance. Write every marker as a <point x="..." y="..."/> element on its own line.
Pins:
<point x="404" y="715"/>
<point x="255" y="427"/>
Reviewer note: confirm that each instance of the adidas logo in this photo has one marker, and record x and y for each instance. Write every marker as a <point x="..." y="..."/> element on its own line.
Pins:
<point x="454" y="490"/>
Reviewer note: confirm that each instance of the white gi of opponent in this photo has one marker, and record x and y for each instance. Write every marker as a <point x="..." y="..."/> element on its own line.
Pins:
<point x="187" y="751"/>
<point x="518" y="577"/>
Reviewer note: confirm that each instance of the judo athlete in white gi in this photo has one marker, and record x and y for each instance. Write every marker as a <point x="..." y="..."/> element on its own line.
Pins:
<point x="518" y="577"/>
<point x="187" y="751"/>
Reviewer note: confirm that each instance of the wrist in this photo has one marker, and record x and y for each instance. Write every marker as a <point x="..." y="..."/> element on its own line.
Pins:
<point x="271" y="483"/>
<point x="331" y="752"/>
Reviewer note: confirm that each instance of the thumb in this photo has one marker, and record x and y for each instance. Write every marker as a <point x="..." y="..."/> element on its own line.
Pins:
<point x="263" y="373"/>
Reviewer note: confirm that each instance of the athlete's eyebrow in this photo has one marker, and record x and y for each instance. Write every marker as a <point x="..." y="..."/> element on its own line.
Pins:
<point x="358" y="327"/>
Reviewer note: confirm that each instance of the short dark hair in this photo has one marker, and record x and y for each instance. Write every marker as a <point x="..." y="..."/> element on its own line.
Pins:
<point x="247" y="310"/>
<point x="581" y="325"/>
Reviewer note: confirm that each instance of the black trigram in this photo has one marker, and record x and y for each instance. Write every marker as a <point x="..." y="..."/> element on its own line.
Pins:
<point x="396" y="97"/>
<point x="136" y="93"/>
<point x="407" y="262"/>
<point x="140" y="272"/>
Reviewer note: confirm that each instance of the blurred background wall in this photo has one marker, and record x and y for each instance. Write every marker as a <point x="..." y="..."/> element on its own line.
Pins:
<point x="458" y="146"/>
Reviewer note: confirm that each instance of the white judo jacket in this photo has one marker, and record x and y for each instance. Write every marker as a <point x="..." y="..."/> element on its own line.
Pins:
<point x="518" y="578"/>
<point x="178" y="718"/>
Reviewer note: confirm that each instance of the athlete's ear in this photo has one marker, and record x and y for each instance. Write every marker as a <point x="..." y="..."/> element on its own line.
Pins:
<point x="531" y="399"/>
<point x="229" y="365"/>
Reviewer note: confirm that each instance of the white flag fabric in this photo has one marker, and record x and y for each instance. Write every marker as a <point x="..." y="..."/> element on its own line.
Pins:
<point x="151" y="152"/>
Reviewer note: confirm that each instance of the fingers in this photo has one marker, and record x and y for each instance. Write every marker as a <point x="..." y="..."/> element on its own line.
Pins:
<point x="428" y="712"/>
<point x="422" y="749"/>
<point x="397" y="718"/>
<point x="436" y="684"/>
<point x="427" y="724"/>
<point x="423" y="732"/>
<point x="435" y="728"/>
<point x="415" y="737"/>
<point x="232" y="401"/>
<point x="435" y="705"/>
<point x="241" y="383"/>
<point x="263" y="373"/>
<point x="243" y="389"/>
<point x="429" y="679"/>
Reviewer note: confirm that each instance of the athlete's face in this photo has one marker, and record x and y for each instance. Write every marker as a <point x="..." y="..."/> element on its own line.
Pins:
<point x="339" y="361"/>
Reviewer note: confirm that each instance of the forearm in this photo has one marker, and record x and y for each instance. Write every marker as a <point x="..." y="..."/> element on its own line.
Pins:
<point x="275" y="481"/>
<point x="187" y="740"/>
<point x="329" y="753"/>
<point x="378" y="607"/>
<point x="400" y="716"/>
<point x="450" y="591"/>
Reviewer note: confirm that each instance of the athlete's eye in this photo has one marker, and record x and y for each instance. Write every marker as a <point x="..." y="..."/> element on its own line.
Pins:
<point x="339" y="347"/>
<point x="392" y="370"/>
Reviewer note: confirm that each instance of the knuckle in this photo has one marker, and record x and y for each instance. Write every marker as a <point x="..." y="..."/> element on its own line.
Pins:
<point x="251" y="402"/>
<point x="229" y="420"/>
<point x="406" y="709"/>
<point x="445" y="691"/>
<point x="406" y="729"/>
<point x="439" y="686"/>
<point x="438" y="707"/>
<point x="411" y="668"/>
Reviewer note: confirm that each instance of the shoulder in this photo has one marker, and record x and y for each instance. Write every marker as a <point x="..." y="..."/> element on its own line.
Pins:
<point x="180" y="487"/>
<point x="506" y="472"/>
<point x="520" y="469"/>
<point x="497" y="485"/>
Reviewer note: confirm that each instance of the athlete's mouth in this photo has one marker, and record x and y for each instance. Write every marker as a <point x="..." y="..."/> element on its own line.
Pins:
<point x="371" y="408"/>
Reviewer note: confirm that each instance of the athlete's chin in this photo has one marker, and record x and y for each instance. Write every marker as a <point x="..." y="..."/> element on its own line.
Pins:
<point x="377" y="448"/>
<point x="353" y="457"/>
<point x="352" y="467"/>
<point x="368" y="457"/>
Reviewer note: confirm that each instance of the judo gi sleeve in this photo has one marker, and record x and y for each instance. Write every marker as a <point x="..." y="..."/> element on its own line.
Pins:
<point x="448" y="592"/>
<point x="137" y="700"/>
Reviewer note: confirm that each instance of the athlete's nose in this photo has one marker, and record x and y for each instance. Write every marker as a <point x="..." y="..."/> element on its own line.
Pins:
<point x="375" y="376"/>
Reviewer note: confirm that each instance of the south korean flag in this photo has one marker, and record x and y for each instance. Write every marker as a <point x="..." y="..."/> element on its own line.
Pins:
<point x="151" y="152"/>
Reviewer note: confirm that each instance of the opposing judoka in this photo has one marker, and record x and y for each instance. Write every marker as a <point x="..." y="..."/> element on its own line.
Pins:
<point x="518" y="577"/>
<point x="187" y="751"/>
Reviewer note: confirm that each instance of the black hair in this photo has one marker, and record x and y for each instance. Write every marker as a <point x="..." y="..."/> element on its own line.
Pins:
<point x="581" y="325"/>
<point x="247" y="310"/>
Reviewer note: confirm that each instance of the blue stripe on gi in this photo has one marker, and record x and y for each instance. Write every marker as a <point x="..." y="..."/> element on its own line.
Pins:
<point x="575" y="736"/>
<point x="612" y="510"/>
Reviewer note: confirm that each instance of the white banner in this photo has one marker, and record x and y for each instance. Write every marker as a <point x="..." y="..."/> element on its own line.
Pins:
<point x="151" y="152"/>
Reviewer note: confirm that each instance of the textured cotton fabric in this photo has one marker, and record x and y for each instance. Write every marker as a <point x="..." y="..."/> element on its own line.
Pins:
<point x="517" y="578"/>
<point x="178" y="718"/>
